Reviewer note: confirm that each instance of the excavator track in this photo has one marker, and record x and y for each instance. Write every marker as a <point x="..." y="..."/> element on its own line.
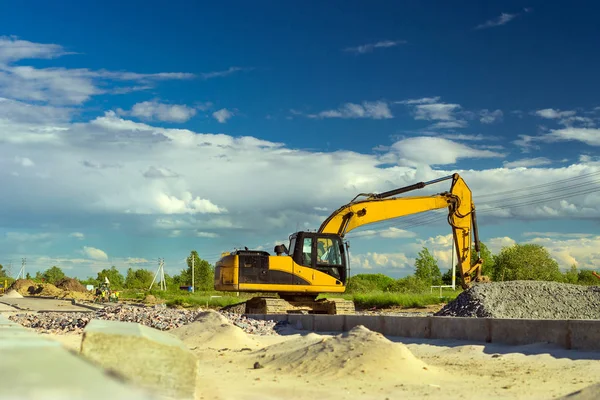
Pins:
<point x="273" y="305"/>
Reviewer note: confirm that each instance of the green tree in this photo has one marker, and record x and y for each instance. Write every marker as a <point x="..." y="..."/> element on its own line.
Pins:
<point x="572" y="275"/>
<point x="526" y="262"/>
<point x="585" y="277"/>
<point x="203" y="273"/>
<point x="89" y="281"/>
<point x="3" y="273"/>
<point x="116" y="279"/>
<point x="138" y="279"/>
<point x="488" y="259"/>
<point x="53" y="275"/>
<point x="28" y="276"/>
<point x="426" y="268"/>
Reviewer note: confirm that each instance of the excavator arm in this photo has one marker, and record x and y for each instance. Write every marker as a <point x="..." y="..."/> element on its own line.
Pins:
<point x="381" y="207"/>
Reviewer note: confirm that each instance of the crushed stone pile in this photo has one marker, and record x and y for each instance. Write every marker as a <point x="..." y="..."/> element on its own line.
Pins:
<point x="526" y="299"/>
<point x="71" y="284"/>
<point x="158" y="317"/>
<point x="358" y="353"/>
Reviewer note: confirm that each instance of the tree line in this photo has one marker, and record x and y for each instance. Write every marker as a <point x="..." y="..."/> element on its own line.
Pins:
<point x="138" y="279"/>
<point x="517" y="262"/>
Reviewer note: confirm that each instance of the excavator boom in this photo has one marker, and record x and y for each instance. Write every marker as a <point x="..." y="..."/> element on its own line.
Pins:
<point x="381" y="207"/>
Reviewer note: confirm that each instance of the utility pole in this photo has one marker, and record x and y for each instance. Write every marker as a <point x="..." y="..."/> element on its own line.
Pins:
<point x="193" y="258"/>
<point x="22" y="270"/>
<point x="161" y="271"/>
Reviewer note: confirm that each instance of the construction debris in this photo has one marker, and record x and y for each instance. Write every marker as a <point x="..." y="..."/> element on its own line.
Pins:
<point x="526" y="299"/>
<point x="158" y="317"/>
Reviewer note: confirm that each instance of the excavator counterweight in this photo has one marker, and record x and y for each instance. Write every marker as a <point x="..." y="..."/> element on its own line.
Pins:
<point x="318" y="262"/>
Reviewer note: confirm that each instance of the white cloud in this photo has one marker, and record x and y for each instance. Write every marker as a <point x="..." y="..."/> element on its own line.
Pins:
<point x="27" y="237"/>
<point x="586" y="135"/>
<point x="388" y="233"/>
<point x="94" y="253"/>
<point x="206" y="234"/>
<point x="377" y="261"/>
<point x="489" y="117"/>
<point x="368" y="109"/>
<point x="367" y="48"/>
<point x="502" y="19"/>
<point x="436" y="111"/>
<point x="153" y="110"/>
<point x="436" y="151"/>
<point x="220" y="74"/>
<point x="550" y="113"/>
<point x="24" y="161"/>
<point x="498" y="243"/>
<point x="62" y="86"/>
<point x="449" y="125"/>
<point x="13" y="49"/>
<point x="159" y="172"/>
<point x="424" y="100"/>
<point x="527" y="162"/>
<point x="77" y="235"/>
<point x="222" y="115"/>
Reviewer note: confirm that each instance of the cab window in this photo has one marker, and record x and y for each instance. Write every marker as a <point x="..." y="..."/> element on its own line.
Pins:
<point x="328" y="252"/>
<point x="307" y="251"/>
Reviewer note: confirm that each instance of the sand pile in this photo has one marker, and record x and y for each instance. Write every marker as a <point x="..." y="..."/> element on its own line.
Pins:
<point x="22" y="286"/>
<point x="13" y="294"/>
<point x="526" y="299"/>
<point x="70" y="284"/>
<point x="359" y="353"/>
<point x="44" y="289"/>
<point x="210" y="329"/>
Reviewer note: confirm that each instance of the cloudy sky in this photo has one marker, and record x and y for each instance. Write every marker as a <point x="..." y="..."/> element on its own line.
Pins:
<point x="133" y="131"/>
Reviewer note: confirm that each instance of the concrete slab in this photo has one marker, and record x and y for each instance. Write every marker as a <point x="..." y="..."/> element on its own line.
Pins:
<point x="151" y="358"/>
<point x="529" y="331"/>
<point x="414" y="327"/>
<point x="584" y="334"/>
<point x="34" y="367"/>
<point x="461" y="328"/>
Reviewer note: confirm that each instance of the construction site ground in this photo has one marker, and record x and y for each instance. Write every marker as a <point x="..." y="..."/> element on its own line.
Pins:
<point x="367" y="365"/>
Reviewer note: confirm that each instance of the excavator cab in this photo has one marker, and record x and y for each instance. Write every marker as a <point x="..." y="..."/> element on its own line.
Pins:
<point x="320" y="251"/>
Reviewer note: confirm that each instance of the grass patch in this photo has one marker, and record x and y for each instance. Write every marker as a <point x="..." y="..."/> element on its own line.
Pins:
<point x="393" y="299"/>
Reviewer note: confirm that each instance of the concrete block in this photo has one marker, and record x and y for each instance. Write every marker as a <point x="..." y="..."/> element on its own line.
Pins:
<point x="300" y="321"/>
<point x="584" y="335"/>
<point x="529" y="331"/>
<point x="461" y="328"/>
<point x="413" y="327"/>
<point x="35" y="367"/>
<point x="372" y="322"/>
<point x="150" y="358"/>
<point x="328" y="323"/>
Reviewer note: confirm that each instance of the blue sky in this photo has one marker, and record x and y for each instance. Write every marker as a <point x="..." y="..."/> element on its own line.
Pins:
<point x="147" y="129"/>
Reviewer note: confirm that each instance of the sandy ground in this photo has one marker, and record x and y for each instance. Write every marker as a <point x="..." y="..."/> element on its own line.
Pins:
<point x="361" y="364"/>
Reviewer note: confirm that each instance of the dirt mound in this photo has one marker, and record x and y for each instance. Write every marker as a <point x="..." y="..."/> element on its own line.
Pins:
<point x="44" y="289"/>
<point x="210" y="329"/>
<point x="526" y="299"/>
<point x="13" y="294"/>
<point x="359" y="353"/>
<point x="70" y="284"/>
<point x="22" y="286"/>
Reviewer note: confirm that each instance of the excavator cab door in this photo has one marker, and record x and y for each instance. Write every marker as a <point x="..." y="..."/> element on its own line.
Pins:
<point x="323" y="252"/>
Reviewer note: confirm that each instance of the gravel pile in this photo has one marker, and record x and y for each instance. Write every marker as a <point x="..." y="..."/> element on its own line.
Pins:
<point x="526" y="299"/>
<point x="158" y="317"/>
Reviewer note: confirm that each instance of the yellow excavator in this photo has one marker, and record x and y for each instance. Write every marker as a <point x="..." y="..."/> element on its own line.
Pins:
<point x="318" y="262"/>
